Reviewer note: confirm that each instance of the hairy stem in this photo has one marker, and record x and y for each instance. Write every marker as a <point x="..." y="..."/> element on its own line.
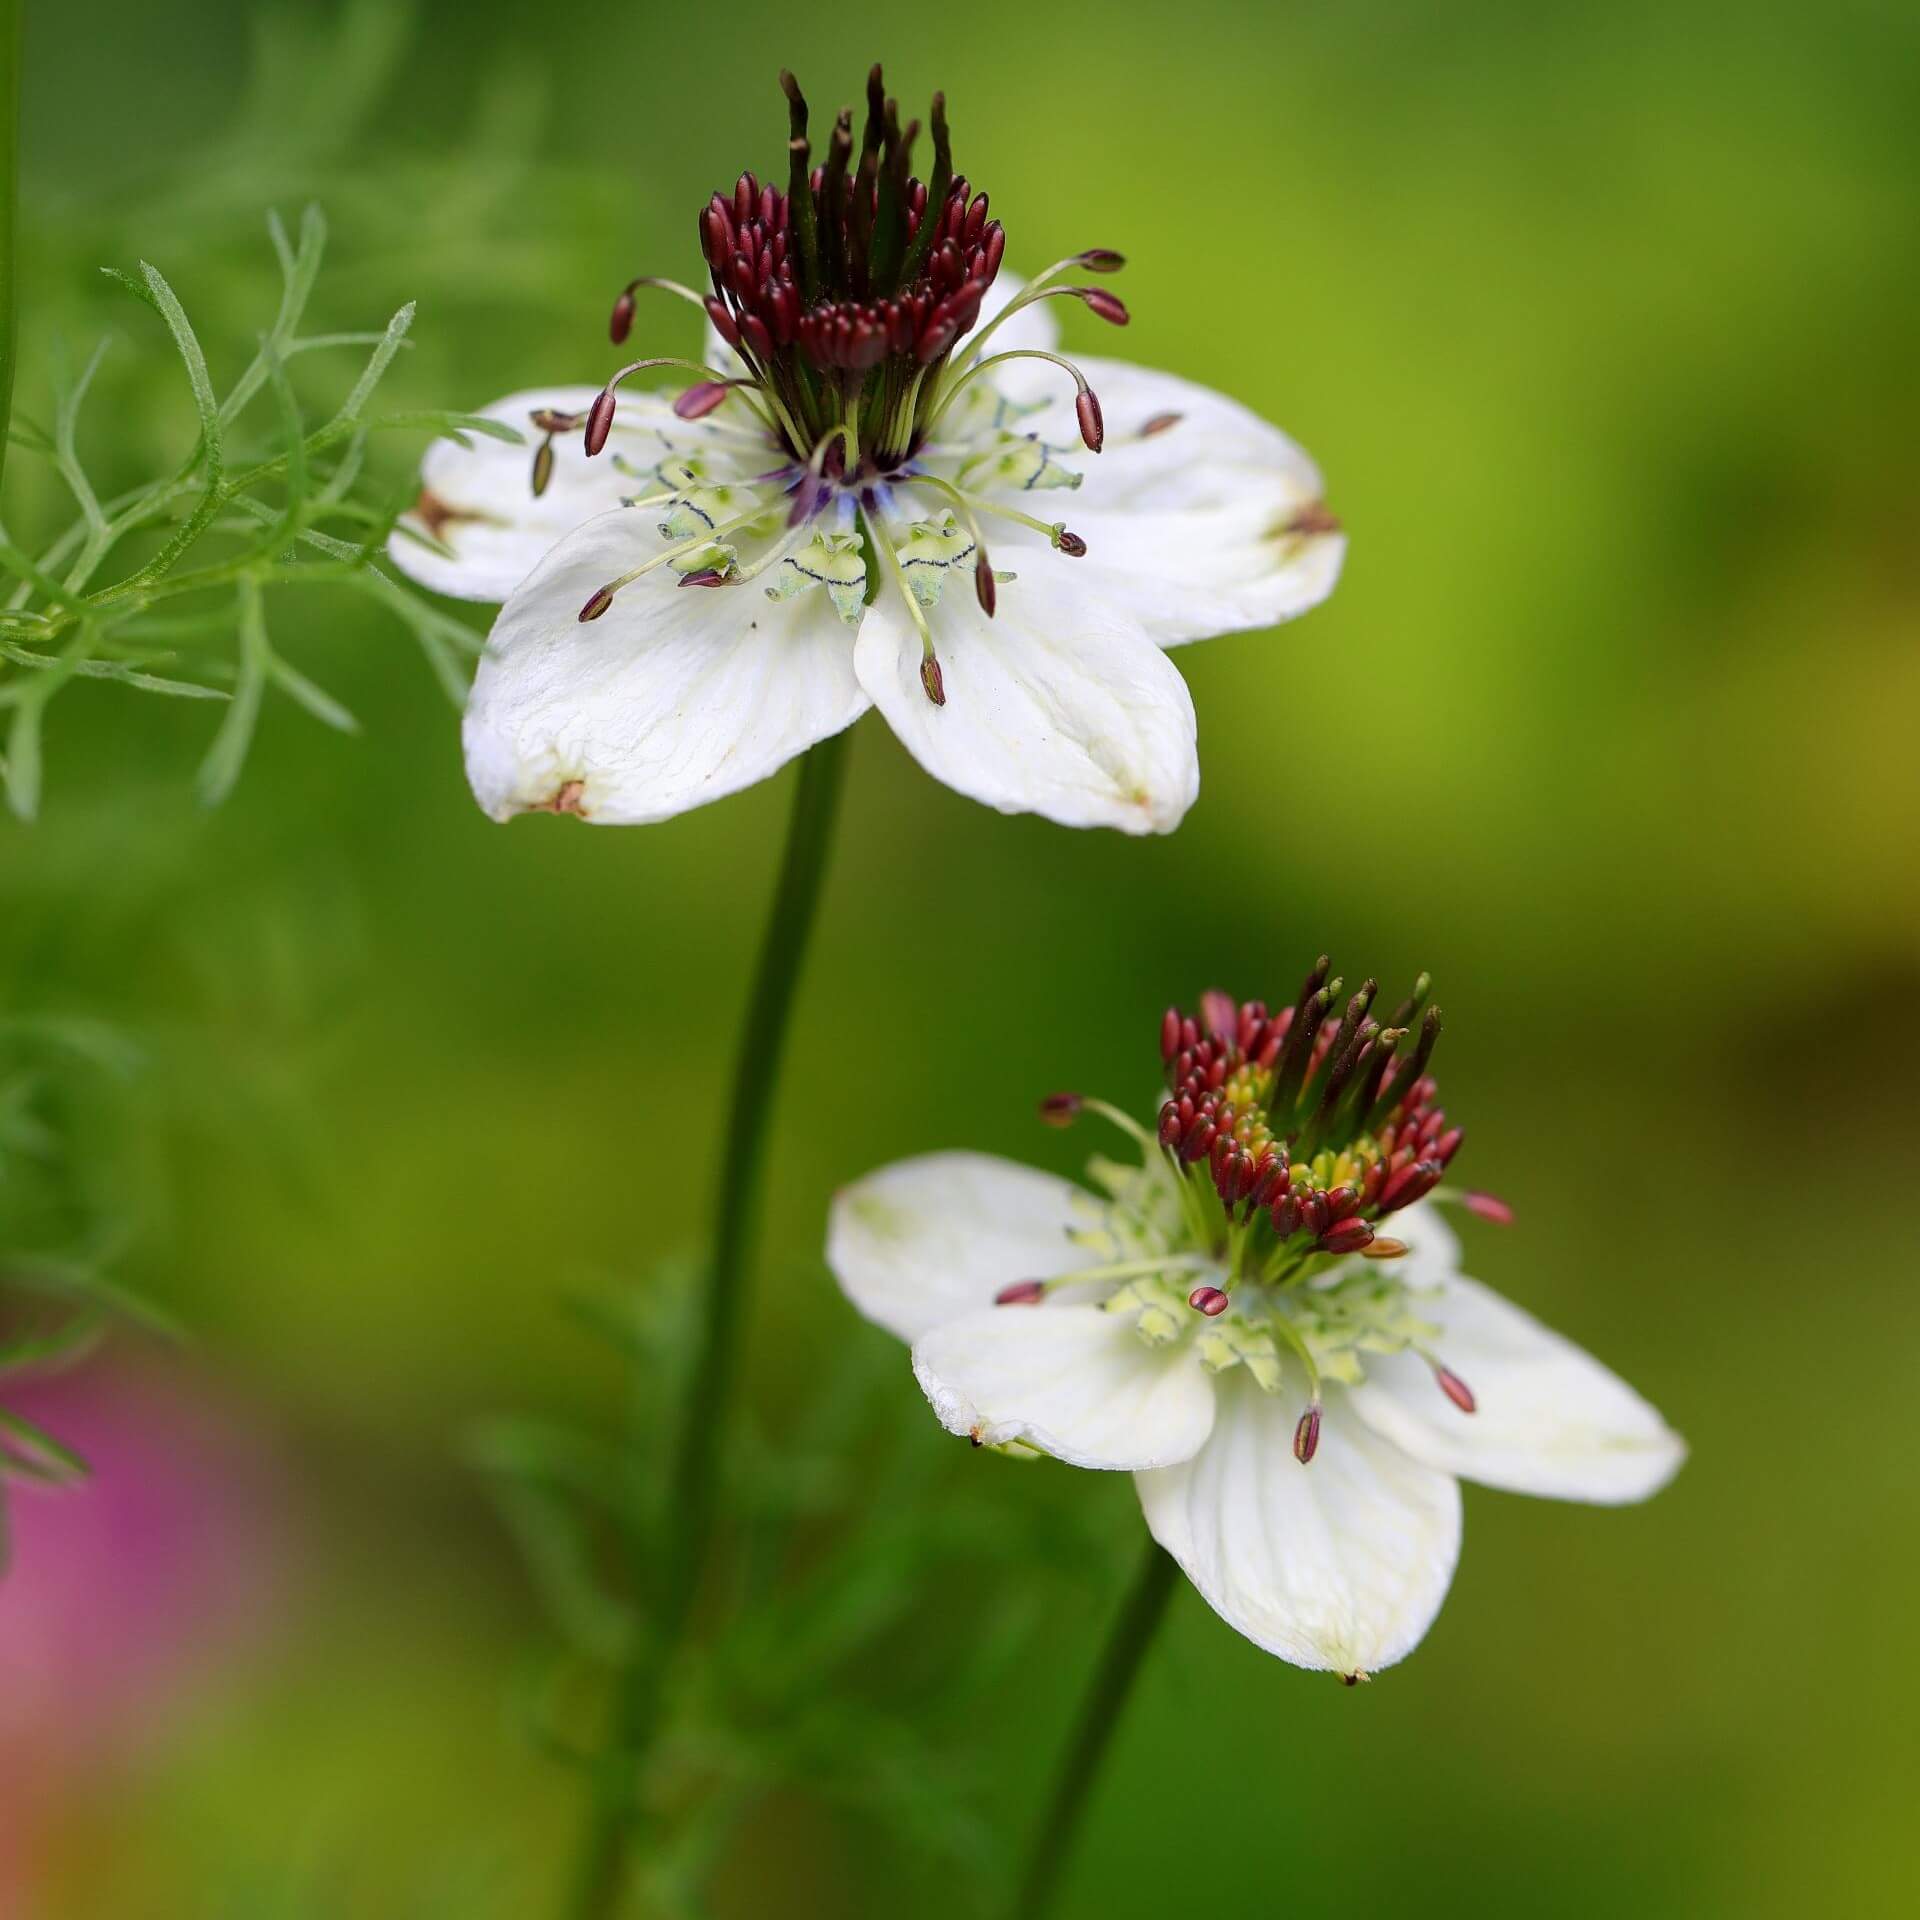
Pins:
<point x="1100" y="1710"/>
<point x="600" y="1879"/>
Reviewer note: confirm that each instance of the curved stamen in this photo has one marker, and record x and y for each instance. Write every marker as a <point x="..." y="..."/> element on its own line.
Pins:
<point x="1025" y="1292"/>
<point x="1040" y="287"/>
<point x="1087" y="404"/>
<point x="600" y="414"/>
<point x="621" y="323"/>
<point x="1057" y="531"/>
<point x="603" y="596"/>
<point x="931" y="678"/>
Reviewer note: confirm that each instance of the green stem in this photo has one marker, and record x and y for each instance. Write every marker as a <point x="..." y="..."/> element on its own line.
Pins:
<point x="601" y="1875"/>
<point x="1100" y="1712"/>
<point x="10" y="17"/>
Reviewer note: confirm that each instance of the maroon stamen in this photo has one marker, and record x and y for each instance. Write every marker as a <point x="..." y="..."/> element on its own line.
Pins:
<point x="1022" y="1293"/>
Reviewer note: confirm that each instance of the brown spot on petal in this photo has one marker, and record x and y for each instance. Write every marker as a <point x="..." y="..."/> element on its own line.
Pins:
<point x="436" y="515"/>
<point x="1310" y="520"/>
<point x="568" y="797"/>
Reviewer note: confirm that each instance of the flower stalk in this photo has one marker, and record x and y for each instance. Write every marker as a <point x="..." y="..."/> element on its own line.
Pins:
<point x="606" y="1850"/>
<point x="1106" y="1699"/>
<point x="11" y="12"/>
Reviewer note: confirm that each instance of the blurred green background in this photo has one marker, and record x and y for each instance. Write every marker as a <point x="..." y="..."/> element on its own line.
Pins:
<point x="1600" y="322"/>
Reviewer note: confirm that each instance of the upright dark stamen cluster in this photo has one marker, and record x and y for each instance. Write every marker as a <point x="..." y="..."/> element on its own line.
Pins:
<point x="845" y="292"/>
<point x="1320" y="1126"/>
<point x="856" y="266"/>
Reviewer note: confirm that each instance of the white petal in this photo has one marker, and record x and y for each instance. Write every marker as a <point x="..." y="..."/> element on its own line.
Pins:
<point x="1197" y="525"/>
<point x="1340" y="1564"/>
<point x="673" y="697"/>
<point x="1058" y="705"/>
<point x="478" y="500"/>
<point x="1548" y="1418"/>
<point x="1077" y="1382"/>
<point x="926" y="1240"/>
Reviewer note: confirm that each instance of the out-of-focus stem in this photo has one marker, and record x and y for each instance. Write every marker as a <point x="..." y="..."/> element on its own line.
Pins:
<point x="1100" y="1712"/>
<point x="10" y="17"/>
<point x="601" y="1875"/>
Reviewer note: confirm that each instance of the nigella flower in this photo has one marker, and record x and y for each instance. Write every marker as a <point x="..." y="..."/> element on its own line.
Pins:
<point x="1265" y="1322"/>
<point x="863" y="500"/>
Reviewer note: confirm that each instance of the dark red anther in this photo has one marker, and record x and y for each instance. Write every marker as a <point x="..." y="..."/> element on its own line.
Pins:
<point x="700" y="400"/>
<point x="1059" y="1109"/>
<point x="746" y="190"/>
<point x="716" y="234"/>
<point x="1022" y="1293"/>
<point x="1286" y="1214"/>
<point x="983" y="584"/>
<point x="1208" y="1300"/>
<point x="1161" y="423"/>
<point x="1488" y="1207"/>
<point x="1306" y="1436"/>
<point x="704" y="577"/>
<point x="1093" y="429"/>
<point x="622" y="322"/>
<point x="542" y="466"/>
<point x="1102" y="260"/>
<point x="1169" y="1123"/>
<point x="976" y="222"/>
<point x="724" y="324"/>
<point x="551" y="420"/>
<point x="1071" y="545"/>
<point x="1409" y="1184"/>
<point x="1455" y="1389"/>
<point x="1198" y="1138"/>
<point x="753" y="330"/>
<point x="599" y="420"/>
<point x="1220" y="1014"/>
<point x="932" y="680"/>
<point x="1169" y="1033"/>
<point x="1107" y="306"/>
<point x="1345" y="1236"/>
<point x="996" y="248"/>
<point x="601" y="601"/>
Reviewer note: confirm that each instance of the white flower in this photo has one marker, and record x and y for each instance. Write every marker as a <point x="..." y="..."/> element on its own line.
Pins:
<point x="708" y="596"/>
<point x="1296" y="1417"/>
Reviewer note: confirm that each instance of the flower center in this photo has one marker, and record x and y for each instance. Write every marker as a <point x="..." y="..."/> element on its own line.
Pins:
<point x="1286" y="1142"/>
